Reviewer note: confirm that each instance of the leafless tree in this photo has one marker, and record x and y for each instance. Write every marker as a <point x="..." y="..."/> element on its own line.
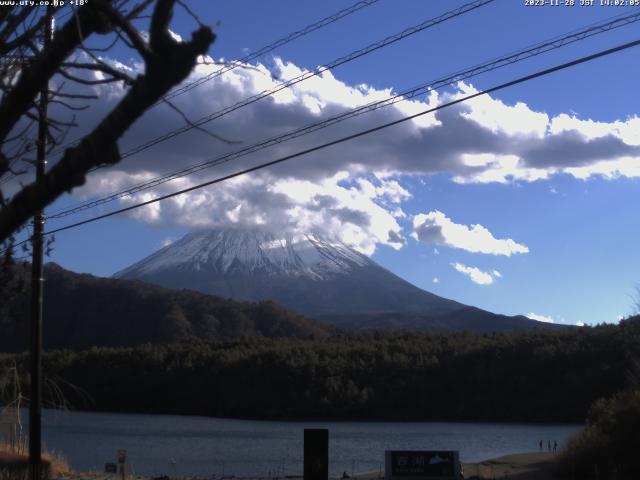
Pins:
<point x="28" y="65"/>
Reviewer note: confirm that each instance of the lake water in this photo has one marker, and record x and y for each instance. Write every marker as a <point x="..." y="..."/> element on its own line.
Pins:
<point x="177" y="445"/>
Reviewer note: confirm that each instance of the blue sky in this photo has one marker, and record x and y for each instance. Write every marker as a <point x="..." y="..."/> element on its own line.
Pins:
<point x="497" y="204"/>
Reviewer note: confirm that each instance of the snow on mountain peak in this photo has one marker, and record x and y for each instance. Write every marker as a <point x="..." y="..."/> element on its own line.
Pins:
<point x="253" y="251"/>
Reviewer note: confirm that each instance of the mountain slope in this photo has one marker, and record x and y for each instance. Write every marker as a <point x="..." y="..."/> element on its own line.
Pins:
<point x="309" y="274"/>
<point x="81" y="311"/>
<point x="319" y="277"/>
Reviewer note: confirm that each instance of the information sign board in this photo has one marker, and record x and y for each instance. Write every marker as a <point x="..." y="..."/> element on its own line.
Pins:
<point x="422" y="464"/>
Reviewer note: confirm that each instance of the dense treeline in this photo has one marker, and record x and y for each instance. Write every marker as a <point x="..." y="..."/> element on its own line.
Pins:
<point x="541" y="375"/>
<point x="81" y="311"/>
<point x="607" y="447"/>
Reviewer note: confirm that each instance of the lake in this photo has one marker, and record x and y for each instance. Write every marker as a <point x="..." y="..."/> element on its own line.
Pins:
<point x="178" y="445"/>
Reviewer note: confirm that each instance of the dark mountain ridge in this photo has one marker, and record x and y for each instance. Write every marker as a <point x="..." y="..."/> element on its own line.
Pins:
<point x="319" y="277"/>
<point x="81" y="311"/>
<point x="311" y="274"/>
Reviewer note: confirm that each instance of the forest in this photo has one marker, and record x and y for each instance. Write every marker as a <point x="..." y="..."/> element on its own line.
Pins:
<point x="82" y="311"/>
<point x="538" y="375"/>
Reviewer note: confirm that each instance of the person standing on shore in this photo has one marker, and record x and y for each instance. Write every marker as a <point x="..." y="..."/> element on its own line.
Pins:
<point x="540" y="445"/>
<point x="555" y="446"/>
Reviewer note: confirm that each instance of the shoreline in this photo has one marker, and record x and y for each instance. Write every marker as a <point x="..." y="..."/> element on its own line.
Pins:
<point x="519" y="466"/>
<point x="337" y="419"/>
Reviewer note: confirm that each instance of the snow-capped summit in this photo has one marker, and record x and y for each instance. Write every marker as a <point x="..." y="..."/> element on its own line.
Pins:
<point x="320" y="277"/>
<point x="310" y="273"/>
<point x="253" y="252"/>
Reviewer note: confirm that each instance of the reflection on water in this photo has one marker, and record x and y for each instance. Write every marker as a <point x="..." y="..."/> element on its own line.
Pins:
<point x="176" y="445"/>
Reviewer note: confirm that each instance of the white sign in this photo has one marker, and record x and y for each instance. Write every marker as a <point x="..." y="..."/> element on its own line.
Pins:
<point x="422" y="465"/>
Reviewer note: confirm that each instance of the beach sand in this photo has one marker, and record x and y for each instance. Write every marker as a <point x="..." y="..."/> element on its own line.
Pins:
<point x="521" y="466"/>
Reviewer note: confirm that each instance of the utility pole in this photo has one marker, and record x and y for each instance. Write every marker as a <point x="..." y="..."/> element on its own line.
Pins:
<point x="37" y="281"/>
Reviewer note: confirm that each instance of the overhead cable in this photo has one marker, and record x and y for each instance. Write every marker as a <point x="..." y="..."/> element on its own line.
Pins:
<point x="409" y="94"/>
<point x="369" y="131"/>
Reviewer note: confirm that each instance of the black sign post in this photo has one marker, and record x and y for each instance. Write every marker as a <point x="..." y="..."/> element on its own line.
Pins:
<point x="316" y="454"/>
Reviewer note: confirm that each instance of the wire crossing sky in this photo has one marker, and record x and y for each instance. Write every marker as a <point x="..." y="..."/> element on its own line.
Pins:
<point x="309" y="74"/>
<point x="359" y="134"/>
<point x="509" y="59"/>
<point x="273" y="46"/>
<point x="259" y="53"/>
<point x="518" y="201"/>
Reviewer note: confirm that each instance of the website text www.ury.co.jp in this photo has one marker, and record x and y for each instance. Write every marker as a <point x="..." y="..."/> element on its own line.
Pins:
<point x="42" y="3"/>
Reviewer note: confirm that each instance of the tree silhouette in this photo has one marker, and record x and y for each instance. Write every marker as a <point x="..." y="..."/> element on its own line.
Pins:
<point x="29" y="65"/>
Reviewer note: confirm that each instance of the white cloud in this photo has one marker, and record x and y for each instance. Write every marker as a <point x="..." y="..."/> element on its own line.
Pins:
<point x="436" y="280"/>
<point x="355" y="189"/>
<point x="628" y="131"/>
<point x="484" y="140"/>
<point x="535" y="147"/>
<point x="167" y="241"/>
<point x="540" y="318"/>
<point x="475" y="274"/>
<point x="495" y="115"/>
<point x="496" y="168"/>
<point x="612" y="169"/>
<point x="350" y="212"/>
<point x="176" y="36"/>
<point x="497" y="274"/>
<point x="580" y="324"/>
<point x="436" y="228"/>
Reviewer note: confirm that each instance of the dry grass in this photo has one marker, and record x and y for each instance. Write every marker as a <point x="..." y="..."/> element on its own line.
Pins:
<point x="14" y="463"/>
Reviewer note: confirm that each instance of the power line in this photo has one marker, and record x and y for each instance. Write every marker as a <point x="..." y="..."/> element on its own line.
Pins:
<point x="502" y="86"/>
<point x="254" y="55"/>
<point x="269" y="48"/>
<point x="494" y="64"/>
<point x="306" y="75"/>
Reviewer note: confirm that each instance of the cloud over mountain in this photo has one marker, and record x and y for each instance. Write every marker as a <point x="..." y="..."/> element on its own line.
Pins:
<point x="355" y="190"/>
<point x="540" y="318"/>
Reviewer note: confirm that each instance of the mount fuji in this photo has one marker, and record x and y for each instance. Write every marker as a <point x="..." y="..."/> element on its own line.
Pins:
<point x="317" y="276"/>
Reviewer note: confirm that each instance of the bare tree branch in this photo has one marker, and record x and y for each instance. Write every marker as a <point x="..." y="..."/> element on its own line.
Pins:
<point x="190" y="12"/>
<point x="77" y="96"/>
<point x="132" y="34"/>
<point x="167" y="63"/>
<point x="198" y="127"/>
<point x="85" y="81"/>
<point x="19" y="40"/>
<point x="12" y="22"/>
<point x="103" y="67"/>
<point x="138" y="9"/>
<point x="36" y="75"/>
<point x="68" y="106"/>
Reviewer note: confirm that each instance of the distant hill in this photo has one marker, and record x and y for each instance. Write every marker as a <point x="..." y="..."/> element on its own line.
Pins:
<point x="319" y="277"/>
<point x="83" y="311"/>
<point x="467" y="318"/>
